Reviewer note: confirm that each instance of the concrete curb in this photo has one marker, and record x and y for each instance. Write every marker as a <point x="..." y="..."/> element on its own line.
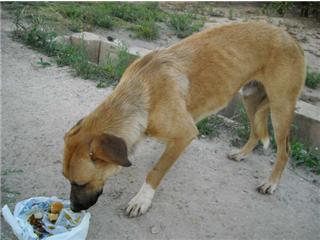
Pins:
<point x="307" y="119"/>
<point x="100" y="49"/>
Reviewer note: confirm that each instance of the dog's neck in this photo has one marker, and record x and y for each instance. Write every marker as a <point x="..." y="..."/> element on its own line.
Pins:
<point x="122" y="114"/>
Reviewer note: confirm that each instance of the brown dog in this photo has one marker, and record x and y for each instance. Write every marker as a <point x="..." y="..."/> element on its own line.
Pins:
<point x="166" y="92"/>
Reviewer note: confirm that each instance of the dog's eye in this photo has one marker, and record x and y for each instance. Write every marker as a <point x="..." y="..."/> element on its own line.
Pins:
<point x="92" y="157"/>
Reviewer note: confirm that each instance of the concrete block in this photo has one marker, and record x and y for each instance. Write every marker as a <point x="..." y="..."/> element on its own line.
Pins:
<point x="307" y="119"/>
<point x="108" y="48"/>
<point x="310" y="95"/>
<point x="138" y="51"/>
<point x="111" y="48"/>
<point x="91" y="44"/>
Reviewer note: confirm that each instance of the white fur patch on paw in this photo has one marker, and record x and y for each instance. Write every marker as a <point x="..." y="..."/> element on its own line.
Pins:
<point x="141" y="202"/>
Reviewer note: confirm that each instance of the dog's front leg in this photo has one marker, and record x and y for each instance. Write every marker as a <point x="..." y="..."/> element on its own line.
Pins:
<point x="142" y="201"/>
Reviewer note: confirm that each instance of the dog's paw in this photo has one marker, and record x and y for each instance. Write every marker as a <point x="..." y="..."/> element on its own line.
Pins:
<point x="141" y="202"/>
<point x="267" y="187"/>
<point x="236" y="156"/>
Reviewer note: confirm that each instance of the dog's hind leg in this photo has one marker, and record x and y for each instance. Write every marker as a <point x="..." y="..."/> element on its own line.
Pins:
<point x="281" y="120"/>
<point x="283" y="92"/>
<point x="176" y="142"/>
<point x="257" y="107"/>
<point x="283" y="78"/>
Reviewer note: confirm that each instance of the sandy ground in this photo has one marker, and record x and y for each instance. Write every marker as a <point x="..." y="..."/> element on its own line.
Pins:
<point x="204" y="196"/>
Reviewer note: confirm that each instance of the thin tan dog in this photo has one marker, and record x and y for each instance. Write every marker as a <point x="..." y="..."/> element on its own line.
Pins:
<point x="166" y="92"/>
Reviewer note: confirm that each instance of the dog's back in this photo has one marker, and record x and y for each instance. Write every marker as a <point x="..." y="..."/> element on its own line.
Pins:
<point x="209" y="68"/>
<point x="221" y="60"/>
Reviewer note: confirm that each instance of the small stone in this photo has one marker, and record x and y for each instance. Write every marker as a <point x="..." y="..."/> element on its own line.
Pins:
<point x="155" y="230"/>
<point x="111" y="39"/>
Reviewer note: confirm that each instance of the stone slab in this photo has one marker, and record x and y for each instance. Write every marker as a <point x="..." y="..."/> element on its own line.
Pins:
<point x="91" y="43"/>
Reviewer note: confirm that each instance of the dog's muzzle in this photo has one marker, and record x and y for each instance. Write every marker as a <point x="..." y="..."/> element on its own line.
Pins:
<point x="83" y="201"/>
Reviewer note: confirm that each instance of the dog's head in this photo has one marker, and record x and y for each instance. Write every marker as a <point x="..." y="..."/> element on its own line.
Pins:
<point x="89" y="159"/>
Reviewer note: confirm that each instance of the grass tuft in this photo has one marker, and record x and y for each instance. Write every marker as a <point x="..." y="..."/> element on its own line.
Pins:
<point x="146" y="30"/>
<point x="136" y="13"/>
<point x="280" y="8"/>
<point x="185" y="25"/>
<point x="231" y="14"/>
<point x="116" y="67"/>
<point x="302" y="154"/>
<point x="313" y="79"/>
<point x="209" y="126"/>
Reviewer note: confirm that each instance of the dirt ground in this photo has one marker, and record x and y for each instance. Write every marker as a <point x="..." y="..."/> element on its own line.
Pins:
<point x="204" y="196"/>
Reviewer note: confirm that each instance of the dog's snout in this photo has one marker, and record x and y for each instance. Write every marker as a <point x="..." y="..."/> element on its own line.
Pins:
<point x="80" y="201"/>
<point x="73" y="207"/>
<point x="76" y="207"/>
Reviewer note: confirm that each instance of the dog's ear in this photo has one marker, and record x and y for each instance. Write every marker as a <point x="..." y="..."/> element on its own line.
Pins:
<point x="108" y="147"/>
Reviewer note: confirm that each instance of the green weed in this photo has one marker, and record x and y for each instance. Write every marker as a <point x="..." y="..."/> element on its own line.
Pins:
<point x="76" y="26"/>
<point x="137" y="13"/>
<point x="313" y="79"/>
<point x="231" y="14"/>
<point x="209" y="126"/>
<point x="146" y="30"/>
<point x="184" y="24"/>
<point x="116" y="67"/>
<point x="280" y="8"/>
<point x="104" y="21"/>
<point x="302" y="154"/>
<point x="43" y="64"/>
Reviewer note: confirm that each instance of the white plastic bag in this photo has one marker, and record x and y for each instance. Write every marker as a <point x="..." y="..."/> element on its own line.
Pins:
<point x="24" y="231"/>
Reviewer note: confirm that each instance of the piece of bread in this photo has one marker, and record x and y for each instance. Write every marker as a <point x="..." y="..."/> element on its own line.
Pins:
<point x="56" y="207"/>
<point x="53" y="217"/>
